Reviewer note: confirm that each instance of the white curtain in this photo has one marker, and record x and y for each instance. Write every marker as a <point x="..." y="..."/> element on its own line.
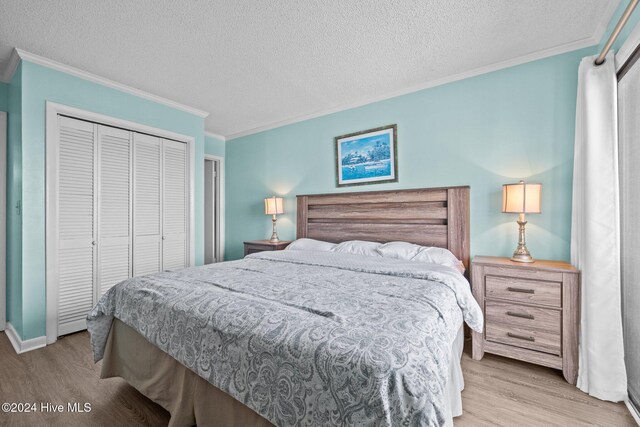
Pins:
<point x="595" y="231"/>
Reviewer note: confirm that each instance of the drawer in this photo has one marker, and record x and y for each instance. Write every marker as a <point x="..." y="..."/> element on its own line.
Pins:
<point x="524" y="338"/>
<point x="548" y="276"/>
<point x="521" y="316"/>
<point x="524" y="290"/>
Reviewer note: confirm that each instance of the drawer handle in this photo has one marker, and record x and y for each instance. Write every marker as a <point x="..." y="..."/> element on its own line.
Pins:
<point x="523" y="315"/>
<point x="521" y="337"/>
<point x="524" y="291"/>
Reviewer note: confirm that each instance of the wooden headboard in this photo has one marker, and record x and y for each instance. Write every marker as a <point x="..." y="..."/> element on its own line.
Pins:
<point x="424" y="216"/>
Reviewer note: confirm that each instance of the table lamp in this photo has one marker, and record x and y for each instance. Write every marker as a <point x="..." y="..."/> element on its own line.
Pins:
<point x="273" y="206"/>
<point x="521" y="198"/>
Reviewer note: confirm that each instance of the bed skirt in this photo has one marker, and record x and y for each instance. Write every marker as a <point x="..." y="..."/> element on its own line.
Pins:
<point x="189" y="399"/>
<point x="192" y="400"/>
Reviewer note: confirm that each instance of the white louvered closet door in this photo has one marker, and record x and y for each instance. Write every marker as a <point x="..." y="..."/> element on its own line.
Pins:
<point x="147" y="196"/>
<point x="174" y="205"/>
<point x="114" y="229"/>
<point x="76" y="232"/>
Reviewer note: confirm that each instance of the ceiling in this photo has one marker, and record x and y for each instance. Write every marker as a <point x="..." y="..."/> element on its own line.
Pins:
<point x="254" y="65"/>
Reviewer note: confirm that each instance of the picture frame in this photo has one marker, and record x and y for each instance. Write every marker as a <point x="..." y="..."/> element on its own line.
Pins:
<point x="367" y="157"/>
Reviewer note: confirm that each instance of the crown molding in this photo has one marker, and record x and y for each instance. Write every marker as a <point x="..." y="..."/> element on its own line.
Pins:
<point x="568" y="47"/>
<point x="18" y="54"/>
<point x="534" y="56"/>
<point x="215" y="136"/>
<point x="595" y="39"/>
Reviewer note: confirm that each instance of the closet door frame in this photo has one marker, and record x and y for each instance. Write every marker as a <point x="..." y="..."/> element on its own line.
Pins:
<point x="220" y="203"/>
<point x="53" y="110"/>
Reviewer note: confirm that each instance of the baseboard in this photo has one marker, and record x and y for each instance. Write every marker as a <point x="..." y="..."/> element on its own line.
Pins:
<point x="633" y="411"/>
<point x="23" y="346"/>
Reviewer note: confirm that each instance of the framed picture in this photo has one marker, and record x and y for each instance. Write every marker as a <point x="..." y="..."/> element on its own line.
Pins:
<point x="367" y="157"/>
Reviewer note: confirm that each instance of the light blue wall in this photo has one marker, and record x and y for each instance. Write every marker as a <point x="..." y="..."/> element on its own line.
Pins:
<point x="4" y="96"/>
<point x="213" y="146"/>
<point x="484" y="132"/>
<point x="41" y="84"/>
<point x="14" y="195"/>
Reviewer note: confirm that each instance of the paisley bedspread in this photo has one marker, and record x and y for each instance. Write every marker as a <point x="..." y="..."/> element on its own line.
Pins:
<point x="303" y="337"/>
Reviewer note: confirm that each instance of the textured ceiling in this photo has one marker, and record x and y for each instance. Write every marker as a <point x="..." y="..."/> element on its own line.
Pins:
<point x="253" y="64"/>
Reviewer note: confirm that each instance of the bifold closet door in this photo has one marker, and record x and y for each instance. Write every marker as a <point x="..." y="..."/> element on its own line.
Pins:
<point x="147" y="196"/>
<point x="76" y="232"/>
<point x="114" y="207"/>
<point x="174" y="205"/>
<point x="121" y="210"/>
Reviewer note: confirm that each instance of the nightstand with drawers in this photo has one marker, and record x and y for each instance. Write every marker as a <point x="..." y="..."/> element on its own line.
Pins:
<point x="531" y="311"/>
<point x="254" y="246"/>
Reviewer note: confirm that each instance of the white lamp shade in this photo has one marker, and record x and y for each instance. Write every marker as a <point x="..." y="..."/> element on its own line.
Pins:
<point x="521" y="198"/>
<point x="273" y="206"/>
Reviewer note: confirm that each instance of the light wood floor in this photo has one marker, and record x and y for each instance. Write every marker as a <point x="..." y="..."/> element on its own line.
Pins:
<point x="498" y="392"/>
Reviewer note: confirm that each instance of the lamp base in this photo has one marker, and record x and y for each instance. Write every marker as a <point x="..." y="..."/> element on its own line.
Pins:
<point x="274" y="235"/>
<point x="517" y="257"/>
<point x="274" y="239"/>
<point x="521" y="254"/>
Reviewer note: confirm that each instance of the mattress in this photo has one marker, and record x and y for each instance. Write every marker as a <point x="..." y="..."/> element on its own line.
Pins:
<point x="306" y="338"/>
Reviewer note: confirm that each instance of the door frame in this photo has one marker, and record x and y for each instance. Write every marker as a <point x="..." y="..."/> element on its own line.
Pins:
<point x="3" y="220"/>
<point x="220" y="203"/>
<point x="52" y="144"/>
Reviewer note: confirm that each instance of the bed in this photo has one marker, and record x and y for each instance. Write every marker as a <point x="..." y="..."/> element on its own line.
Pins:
<point x="305" y="337"/>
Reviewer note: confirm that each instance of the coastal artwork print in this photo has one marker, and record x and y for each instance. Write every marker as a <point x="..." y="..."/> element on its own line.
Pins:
<point x="367" y="157"/>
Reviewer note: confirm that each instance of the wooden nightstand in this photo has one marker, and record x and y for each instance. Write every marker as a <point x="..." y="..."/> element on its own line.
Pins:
<point x="263" y="245"/>
<point x="532" y="311"/>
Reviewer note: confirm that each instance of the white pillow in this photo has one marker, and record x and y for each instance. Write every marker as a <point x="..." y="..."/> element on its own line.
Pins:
<point x="358" y="247"/>
<point x="400" y="250"/>
<point x="439" y="256"/>
<point x="305" y="244"/>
